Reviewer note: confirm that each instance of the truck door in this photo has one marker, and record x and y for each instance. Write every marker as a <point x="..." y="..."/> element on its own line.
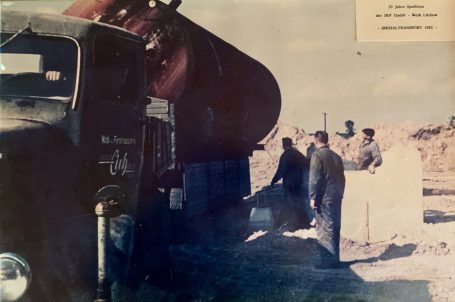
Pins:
<point x="114" y="123"/>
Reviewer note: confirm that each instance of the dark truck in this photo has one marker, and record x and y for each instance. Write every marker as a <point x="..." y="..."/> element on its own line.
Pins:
<point x="85" y="144"/>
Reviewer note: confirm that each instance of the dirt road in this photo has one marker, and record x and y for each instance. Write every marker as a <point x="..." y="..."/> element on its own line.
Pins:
<point x="228" y="262"/>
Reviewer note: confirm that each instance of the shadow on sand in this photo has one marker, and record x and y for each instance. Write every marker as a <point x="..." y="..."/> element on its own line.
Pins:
<point x="219" y="265"/>
<point x="279" y="268"/>
<point x="392" y="252"/>
<point x="432" y="216"/>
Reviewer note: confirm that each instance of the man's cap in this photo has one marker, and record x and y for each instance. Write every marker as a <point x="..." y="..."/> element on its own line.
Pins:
<point x="287" y="141"/>
<point x="368" y="131"/>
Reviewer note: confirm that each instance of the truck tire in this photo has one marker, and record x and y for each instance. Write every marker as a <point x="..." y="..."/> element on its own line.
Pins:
<point x="72" y="260"/>
<point x="73" y="257"/>
<point x="176" y="198"/>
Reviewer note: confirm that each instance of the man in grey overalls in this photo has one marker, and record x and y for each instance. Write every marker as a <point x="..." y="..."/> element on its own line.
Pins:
<point x="326" y="189"/>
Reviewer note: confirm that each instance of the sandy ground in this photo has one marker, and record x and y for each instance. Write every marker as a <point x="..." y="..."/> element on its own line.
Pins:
<point x="228" y="261"/>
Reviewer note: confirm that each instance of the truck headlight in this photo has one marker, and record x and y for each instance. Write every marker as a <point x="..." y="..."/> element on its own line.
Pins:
<point x="15" y="276"/>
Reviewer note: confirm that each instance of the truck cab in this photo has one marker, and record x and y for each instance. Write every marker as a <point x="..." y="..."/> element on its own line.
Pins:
<point x="72" y="127"/>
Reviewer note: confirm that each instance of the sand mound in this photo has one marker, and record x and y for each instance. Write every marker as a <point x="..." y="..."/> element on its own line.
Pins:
<point x="436" y="144"/>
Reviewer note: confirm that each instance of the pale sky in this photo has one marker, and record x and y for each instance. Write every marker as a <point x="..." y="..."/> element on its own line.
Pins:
<point x="310" y="46"/>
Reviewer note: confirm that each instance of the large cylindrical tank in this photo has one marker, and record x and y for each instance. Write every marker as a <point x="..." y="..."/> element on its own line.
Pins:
<point x="226" y="101"/>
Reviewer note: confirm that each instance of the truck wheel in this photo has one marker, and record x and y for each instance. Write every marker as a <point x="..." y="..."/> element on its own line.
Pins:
<point x="73" y="257"/>
<point x="176" y="199"/>
<point x="72" y="261"/>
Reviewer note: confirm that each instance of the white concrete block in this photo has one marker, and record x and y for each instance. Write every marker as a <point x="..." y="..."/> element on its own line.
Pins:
<point x="378" y="206"/>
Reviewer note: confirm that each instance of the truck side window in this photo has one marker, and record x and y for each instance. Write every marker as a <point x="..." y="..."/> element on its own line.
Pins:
<point x="116" y="69"/>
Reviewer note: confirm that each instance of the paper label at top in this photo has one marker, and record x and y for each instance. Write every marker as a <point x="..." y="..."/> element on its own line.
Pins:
<point x="395" y="20"/>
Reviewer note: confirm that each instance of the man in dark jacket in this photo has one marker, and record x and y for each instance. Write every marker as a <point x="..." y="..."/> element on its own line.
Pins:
<point x="326" y="189"/>
<point x="369" y="154"/>
<point x="290" y="168"/>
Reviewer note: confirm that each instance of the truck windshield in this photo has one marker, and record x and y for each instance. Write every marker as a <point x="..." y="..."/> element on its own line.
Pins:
<point x="38" y="66"/>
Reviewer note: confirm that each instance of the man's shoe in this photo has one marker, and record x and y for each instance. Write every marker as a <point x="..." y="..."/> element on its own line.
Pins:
<point x="329" y="265"/>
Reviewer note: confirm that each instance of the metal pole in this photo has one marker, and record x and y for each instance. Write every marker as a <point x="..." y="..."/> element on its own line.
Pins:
<point x="366" y="221"/>
<point x="325" y="121"/>
<point x="103" y="292"/>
